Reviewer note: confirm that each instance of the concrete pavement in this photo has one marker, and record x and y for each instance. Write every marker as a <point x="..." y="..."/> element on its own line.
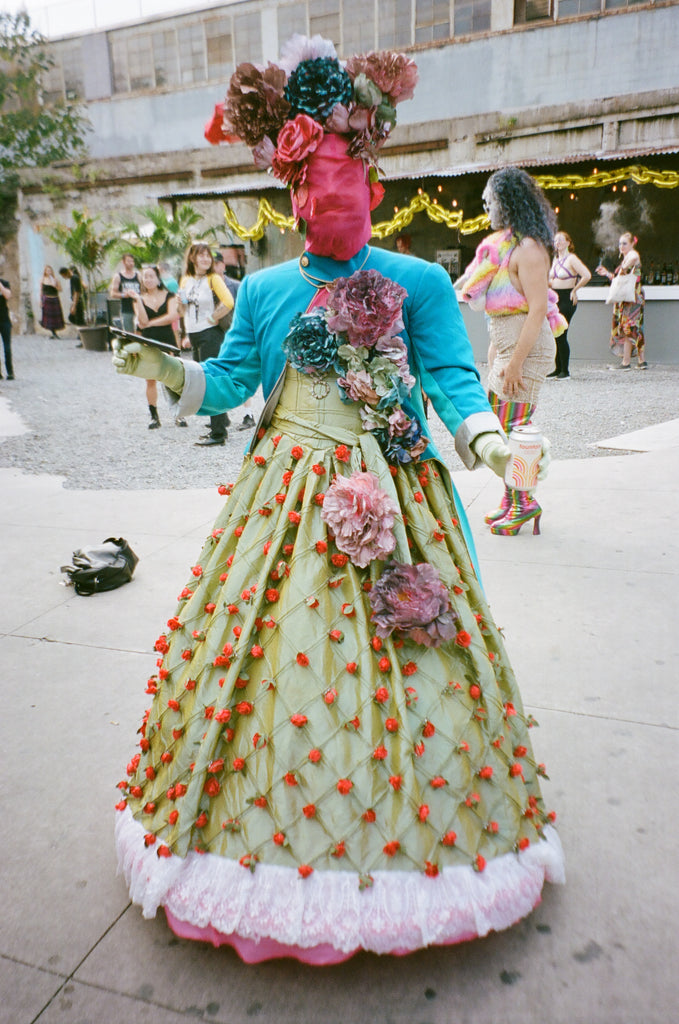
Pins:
<point x="589" y="611"/>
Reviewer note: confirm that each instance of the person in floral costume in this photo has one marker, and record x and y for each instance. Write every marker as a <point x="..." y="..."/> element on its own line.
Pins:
<point x="336" y="755"/>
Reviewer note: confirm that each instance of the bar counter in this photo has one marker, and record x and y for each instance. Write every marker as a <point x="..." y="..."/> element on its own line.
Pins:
<point x="590" y="328"/>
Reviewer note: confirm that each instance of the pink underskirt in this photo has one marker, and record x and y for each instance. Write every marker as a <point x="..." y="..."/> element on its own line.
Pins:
<point x="253" y="952"/>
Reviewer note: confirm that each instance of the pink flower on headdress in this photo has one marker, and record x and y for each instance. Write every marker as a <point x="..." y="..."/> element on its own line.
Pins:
<point x="365" y="307"/>
<point x="412" y="600"/>
<point x="361" y="516"/>
<point x="393" y="73"/>
<point x="297" y="139"/>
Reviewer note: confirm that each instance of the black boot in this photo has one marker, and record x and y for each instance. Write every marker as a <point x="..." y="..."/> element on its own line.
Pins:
<point x="155" y="422"/>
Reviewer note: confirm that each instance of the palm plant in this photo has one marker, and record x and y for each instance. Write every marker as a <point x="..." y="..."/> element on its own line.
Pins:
<point x="163" y="236"/>
<point x="87" y="248"/>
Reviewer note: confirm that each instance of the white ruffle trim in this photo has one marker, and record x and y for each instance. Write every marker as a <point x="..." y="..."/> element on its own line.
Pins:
<point x="403" y="910"/>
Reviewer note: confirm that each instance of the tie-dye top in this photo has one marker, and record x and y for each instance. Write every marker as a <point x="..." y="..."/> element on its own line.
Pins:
<point x="488" y="286"/>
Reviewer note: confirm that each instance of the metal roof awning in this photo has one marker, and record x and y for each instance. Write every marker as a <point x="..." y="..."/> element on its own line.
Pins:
<point x="267" y="183"/>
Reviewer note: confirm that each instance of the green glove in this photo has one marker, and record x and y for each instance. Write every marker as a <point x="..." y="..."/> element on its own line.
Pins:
<point x="492" y="450"/>
<point x="150" y="363"/>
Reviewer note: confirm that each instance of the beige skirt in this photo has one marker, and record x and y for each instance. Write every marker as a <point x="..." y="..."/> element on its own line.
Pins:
<point x="504" y="334"/>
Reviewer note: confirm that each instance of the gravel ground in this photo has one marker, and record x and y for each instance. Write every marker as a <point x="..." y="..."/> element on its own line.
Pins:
<point x="88" y="424"/>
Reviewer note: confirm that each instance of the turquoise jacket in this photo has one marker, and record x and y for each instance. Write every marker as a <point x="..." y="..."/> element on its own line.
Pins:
<point x="439" y="351"/>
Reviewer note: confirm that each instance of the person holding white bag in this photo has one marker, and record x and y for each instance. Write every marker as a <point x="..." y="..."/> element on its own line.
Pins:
<point x="627" y="296"/>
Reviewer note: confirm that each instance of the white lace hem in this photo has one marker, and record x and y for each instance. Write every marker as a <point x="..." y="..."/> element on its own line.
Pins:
<point x="403" y="910"/>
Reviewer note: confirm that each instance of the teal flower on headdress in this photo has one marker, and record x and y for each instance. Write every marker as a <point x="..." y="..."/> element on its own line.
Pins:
<point x="316" y="86"/>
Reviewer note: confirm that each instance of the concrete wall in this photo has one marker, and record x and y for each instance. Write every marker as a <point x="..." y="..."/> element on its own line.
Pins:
<point x="568" y="63"/>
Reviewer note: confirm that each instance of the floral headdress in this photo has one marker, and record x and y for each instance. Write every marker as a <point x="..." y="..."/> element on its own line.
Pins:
<point x="283" y="111"/>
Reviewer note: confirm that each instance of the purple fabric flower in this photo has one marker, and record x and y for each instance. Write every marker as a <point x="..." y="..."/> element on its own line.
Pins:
<point x="365" y="307"/>
<point x="361" y="517"/>
<point x="412" y="601"/>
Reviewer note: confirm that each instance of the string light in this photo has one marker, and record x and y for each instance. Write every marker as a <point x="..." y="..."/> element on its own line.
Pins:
<point x="454" y="219"/>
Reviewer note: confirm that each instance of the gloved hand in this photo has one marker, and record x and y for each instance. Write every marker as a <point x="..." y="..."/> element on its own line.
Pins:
<point x="492" y="450"/>
<point x="150" y="363"/>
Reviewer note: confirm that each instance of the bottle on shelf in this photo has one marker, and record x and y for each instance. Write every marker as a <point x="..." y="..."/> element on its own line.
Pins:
<point x="650" y="276"/>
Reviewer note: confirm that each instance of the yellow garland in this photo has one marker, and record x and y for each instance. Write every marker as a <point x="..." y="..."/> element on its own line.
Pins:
<point x="454" y="219"/>
<point x="265" y="215"/>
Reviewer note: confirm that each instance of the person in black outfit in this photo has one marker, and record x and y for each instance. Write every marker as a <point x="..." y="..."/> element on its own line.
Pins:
<point x="76" y="314"/>
<point x="125" y="284"/>
<point x="155" y="310"/>
<point x="6" y="324"/>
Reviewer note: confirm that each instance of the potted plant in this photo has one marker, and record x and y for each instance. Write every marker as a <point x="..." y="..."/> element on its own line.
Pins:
<point x="86" y="247"/>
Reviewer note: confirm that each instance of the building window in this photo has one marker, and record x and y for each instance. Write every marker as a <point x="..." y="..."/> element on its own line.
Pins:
<point x="540" y="10"/>
<point x="192" y="56"/>
<point x="432" y="20"/>
<point x="219" y="40"/>
<point x="472" y="16"/>
<point x="358" y="23"/>
<point x="324" y="19"/>
<point x="291" y="19"/>
<point x="165" y="58"/>
<point x="394" y="28"/>
<point x="66" y="79"/>
<point x="247" y="32"/>
<point x="140" y="62"/>
<point x="616" y="5"/>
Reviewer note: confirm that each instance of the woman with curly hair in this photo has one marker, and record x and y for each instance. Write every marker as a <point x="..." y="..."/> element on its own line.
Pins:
<point x="508" y="281"/>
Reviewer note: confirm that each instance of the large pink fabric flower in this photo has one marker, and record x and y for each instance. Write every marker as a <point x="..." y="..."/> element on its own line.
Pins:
<point x="297" y="140"/>
<point x="412" y="600"/>
<point x="365" y="307"/>
<point x="361" y="516"/>
<point x="393" y="73"/>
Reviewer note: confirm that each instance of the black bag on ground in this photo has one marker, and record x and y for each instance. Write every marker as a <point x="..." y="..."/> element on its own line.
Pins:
<point x="101" y="568"/>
